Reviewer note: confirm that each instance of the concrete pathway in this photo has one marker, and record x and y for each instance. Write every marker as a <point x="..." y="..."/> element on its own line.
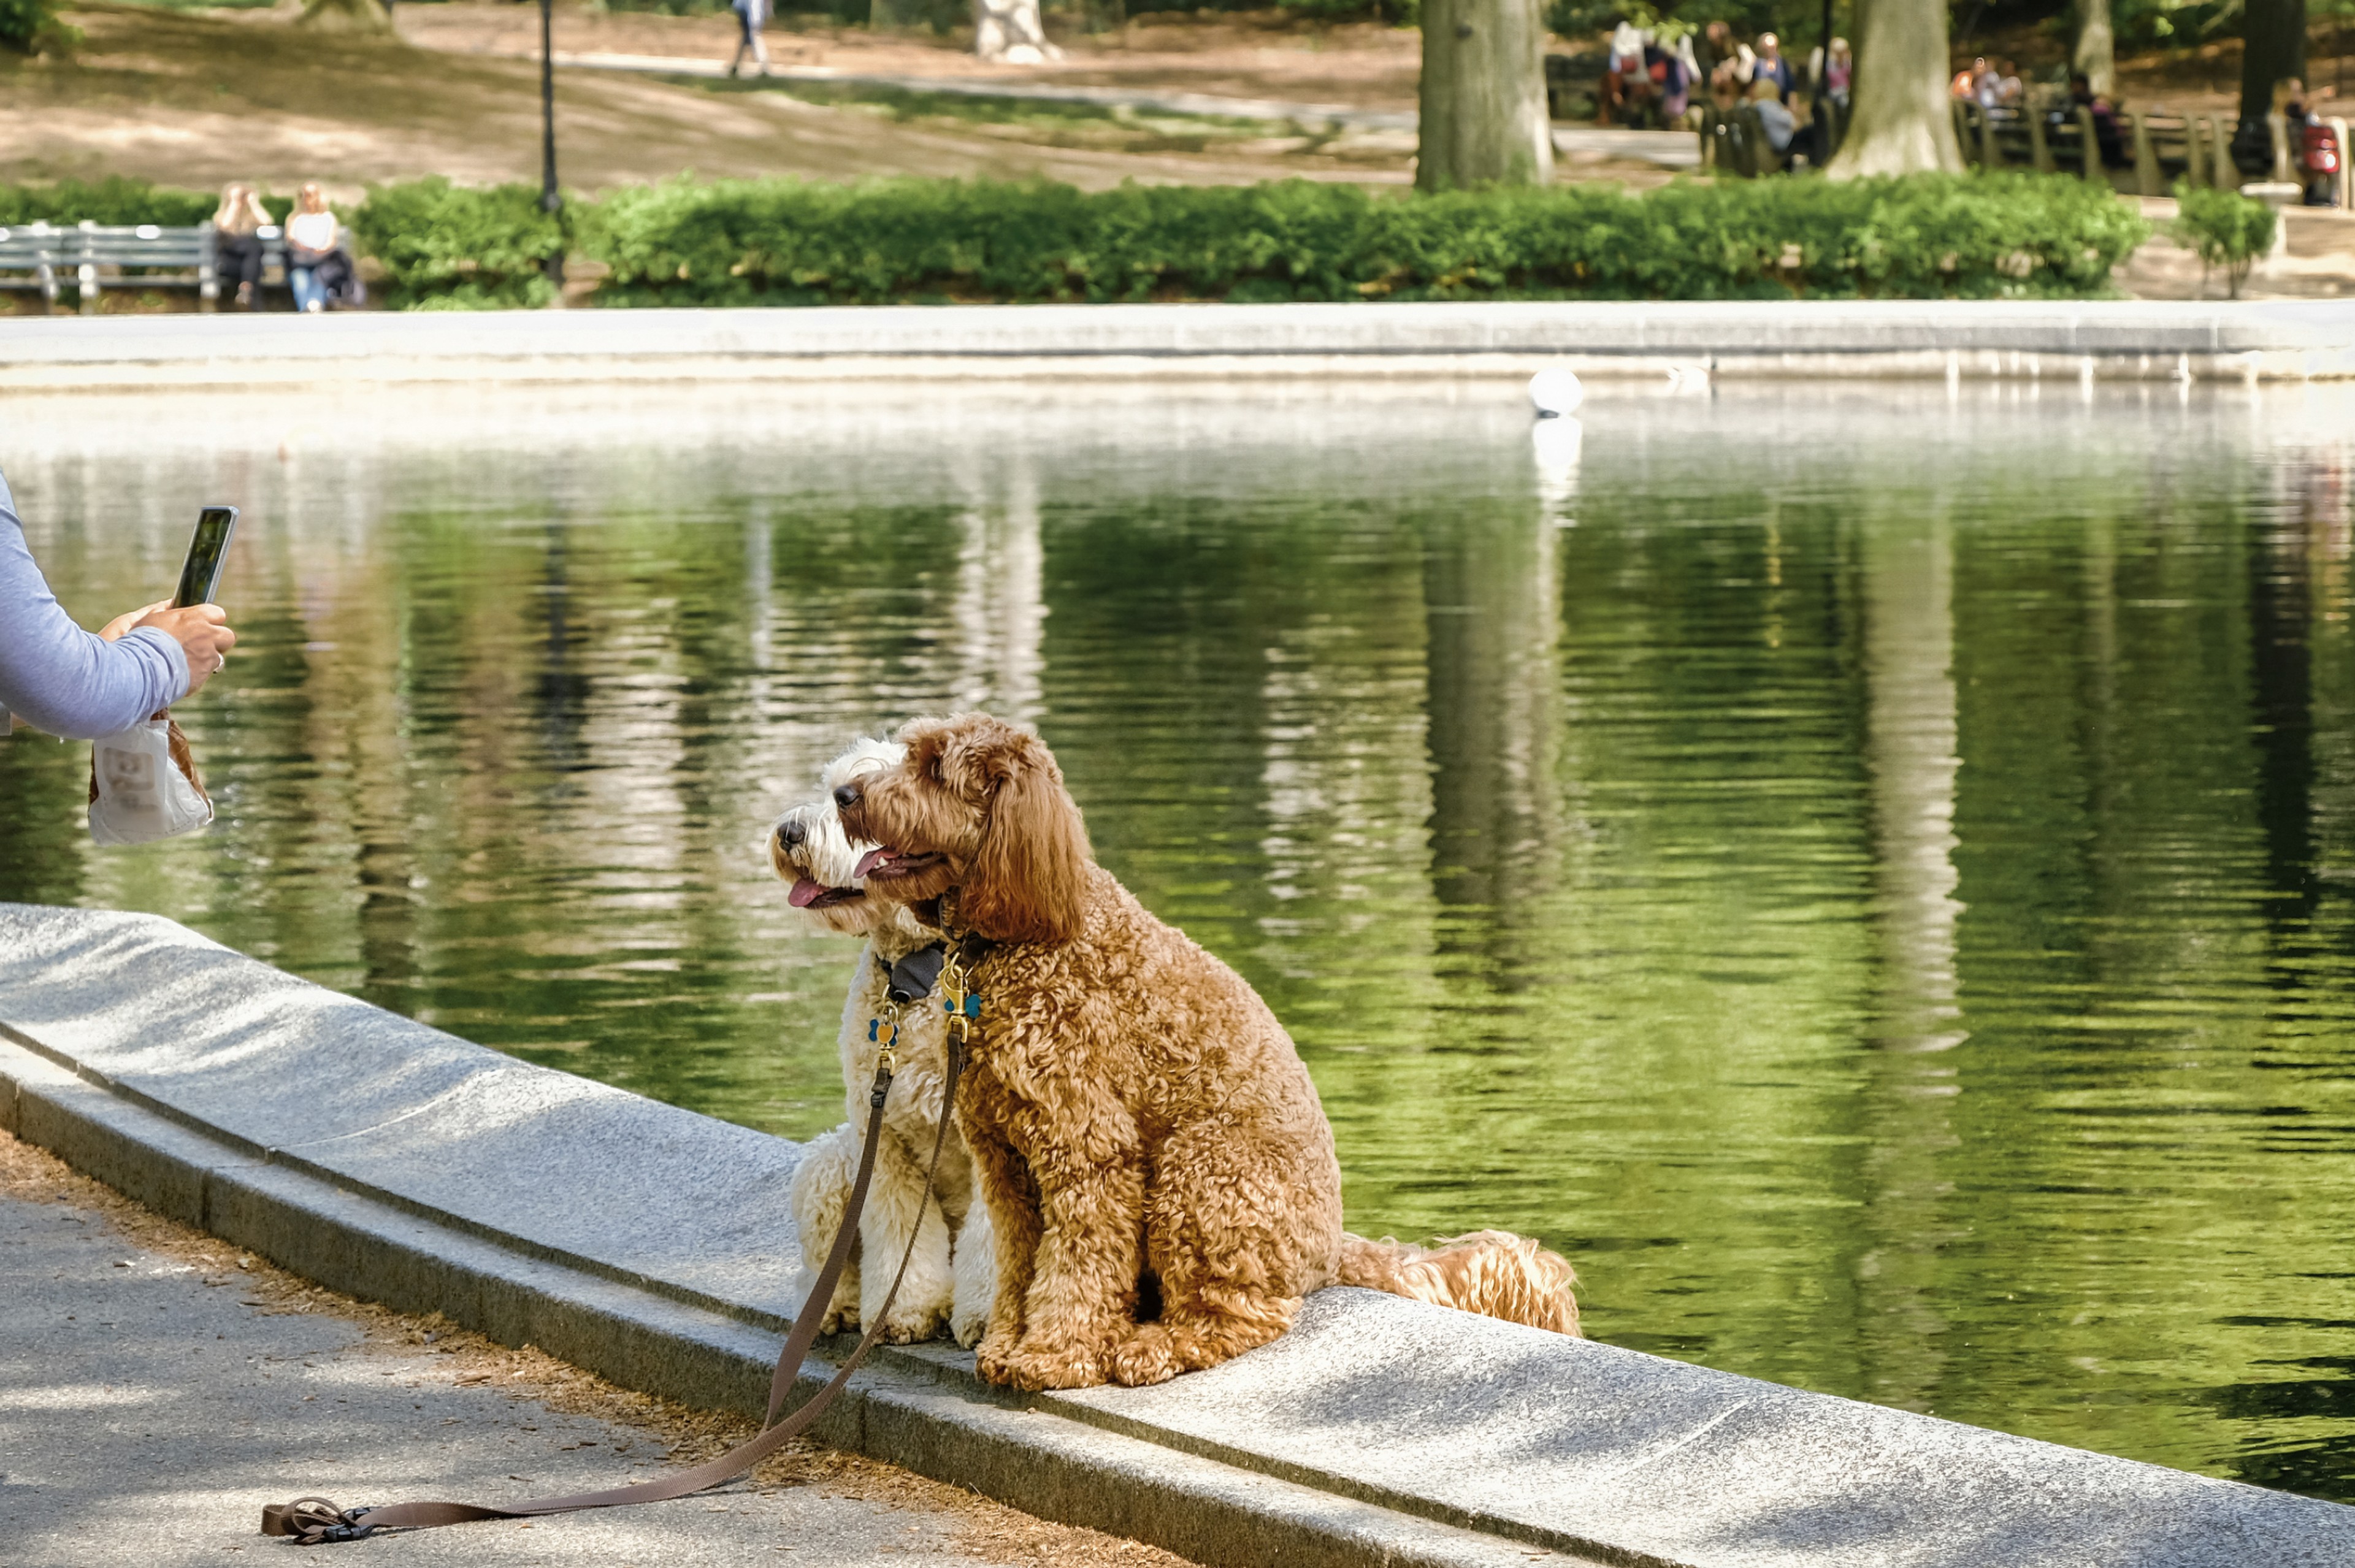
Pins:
<point x="150" y="1405"/>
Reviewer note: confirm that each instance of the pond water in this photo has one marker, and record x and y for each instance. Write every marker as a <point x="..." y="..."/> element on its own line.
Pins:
<point x="1867" y="872"/>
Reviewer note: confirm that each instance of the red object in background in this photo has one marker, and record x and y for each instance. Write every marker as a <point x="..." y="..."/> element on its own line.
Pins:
<point x="2322" y="149"/>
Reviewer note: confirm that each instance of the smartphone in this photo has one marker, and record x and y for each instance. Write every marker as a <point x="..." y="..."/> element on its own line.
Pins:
<point x="207" y="553"/>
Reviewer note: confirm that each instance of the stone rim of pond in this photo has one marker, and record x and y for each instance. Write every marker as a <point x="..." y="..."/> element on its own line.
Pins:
<point x="391" y="1160"/>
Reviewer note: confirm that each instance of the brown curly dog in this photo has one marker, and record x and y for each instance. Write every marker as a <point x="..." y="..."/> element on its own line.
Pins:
<point x="1136" y="1112"/>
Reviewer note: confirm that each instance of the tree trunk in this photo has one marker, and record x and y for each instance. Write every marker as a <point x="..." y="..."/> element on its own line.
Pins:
<point x="347" y="17"/>
<point x="1902" y="124"/>
<point x="1010" y="31"/>
<point x="2097" y="47"/>
<point x="2273" y="46"/>
<point x="1483" y="102"/>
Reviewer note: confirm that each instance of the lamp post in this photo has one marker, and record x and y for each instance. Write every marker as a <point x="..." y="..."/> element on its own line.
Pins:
<point x="551" y="200"/>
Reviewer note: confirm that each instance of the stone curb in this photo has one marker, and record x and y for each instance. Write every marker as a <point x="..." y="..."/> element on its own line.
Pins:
<point x="650" y="1244"/>
<point x="2068" y="341"/>
<point x="905" y="1407"/>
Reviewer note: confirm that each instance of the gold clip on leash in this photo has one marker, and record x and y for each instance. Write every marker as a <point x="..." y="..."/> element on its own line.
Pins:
<point x="962" y="1004"/>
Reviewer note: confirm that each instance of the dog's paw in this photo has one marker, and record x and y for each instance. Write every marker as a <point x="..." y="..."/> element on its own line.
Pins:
<point x="990" y="1358"/>
<point x="1035" y="1369"/>
<point x="910" y="1327"/>
<point x="967" y="1331"/>
<point x="1146" y="1357"/>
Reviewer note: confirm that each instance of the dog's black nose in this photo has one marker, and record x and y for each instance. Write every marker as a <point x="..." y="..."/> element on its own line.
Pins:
<point x="847" y="796"/>
<point x="792" y="833"/>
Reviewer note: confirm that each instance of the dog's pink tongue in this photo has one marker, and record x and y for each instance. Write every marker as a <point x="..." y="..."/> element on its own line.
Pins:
<point x="804" y="892"/>
<point x="868" y="861"/>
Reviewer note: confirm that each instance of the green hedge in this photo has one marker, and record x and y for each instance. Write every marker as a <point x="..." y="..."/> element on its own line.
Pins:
<point x="116" y="200"/>
<point x="790" y="243"/>
<point x="785" y="242"/>
<point x="448" y="247"/>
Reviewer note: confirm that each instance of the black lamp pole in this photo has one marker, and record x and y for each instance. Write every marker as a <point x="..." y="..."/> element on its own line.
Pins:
<point x="551" y="200"/>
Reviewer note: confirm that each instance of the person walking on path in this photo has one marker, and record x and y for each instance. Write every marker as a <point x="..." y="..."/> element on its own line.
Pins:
<point x="751" y="15"/>
<point x="79" y="686"/>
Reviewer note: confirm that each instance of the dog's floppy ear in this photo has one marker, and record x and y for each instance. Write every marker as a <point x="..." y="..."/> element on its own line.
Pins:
<point x="1027" y="878"/>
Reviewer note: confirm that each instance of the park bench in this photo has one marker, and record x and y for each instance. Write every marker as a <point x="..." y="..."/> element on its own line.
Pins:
<point x="2155" y="149"/>
<point x="95" y="257"/>
<point x="1733" y="140"/>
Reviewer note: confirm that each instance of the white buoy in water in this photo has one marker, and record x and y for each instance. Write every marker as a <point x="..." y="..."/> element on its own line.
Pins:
<point x="1554" y="392"/>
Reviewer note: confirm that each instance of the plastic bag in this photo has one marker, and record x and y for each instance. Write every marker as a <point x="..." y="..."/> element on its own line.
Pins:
<point x="143" y="784"/>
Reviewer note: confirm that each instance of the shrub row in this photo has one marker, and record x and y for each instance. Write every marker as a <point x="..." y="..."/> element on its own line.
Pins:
<point x="785" y="242"/>
<point x="446" y="247"/>
<point x="789" y="242"/>
<point x="114" y="200"/>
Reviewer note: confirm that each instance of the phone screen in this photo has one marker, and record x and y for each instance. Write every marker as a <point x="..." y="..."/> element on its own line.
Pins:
<point x="207" y="552"/>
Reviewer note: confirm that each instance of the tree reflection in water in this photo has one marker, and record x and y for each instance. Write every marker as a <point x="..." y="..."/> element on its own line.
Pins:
<point x="1865" y="872"/>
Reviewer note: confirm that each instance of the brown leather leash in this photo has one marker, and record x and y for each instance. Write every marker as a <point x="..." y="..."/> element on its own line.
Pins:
<point x="312" y="1519"/>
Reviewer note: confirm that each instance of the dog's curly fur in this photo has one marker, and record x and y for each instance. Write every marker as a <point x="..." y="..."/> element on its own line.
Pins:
<point x="953" y="1270"/>
<point x="1136" y="1112"/>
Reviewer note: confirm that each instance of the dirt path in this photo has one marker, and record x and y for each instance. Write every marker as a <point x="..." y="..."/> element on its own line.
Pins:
<point x="199" y="98"/>
<point x="1237" y="55"/>
<point x="157" y="1385"/>
<point x="193" y="99"/>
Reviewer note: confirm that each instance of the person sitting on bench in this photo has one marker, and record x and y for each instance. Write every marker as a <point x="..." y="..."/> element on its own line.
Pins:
<point x="313" y="239"/>
<point x="238" y="224"/>
<point x="1774" y="117"/>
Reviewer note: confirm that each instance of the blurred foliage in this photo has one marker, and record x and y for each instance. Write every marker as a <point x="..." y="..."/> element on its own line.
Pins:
<point x="791" y="242"/>
<point x="116" y="200"/>
<point x="2226" y="228"/>
<point x="788" y="242"/>
<point x="456" y="247"/>
<point x="32" y="27"/>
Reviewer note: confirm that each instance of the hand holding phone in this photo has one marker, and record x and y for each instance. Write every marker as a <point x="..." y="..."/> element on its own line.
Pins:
<point x="207" y="554"/>
<point x="190" y="618"/>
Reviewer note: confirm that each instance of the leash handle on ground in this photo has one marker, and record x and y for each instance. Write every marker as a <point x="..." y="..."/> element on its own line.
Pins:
<point x="312" y="1521"/>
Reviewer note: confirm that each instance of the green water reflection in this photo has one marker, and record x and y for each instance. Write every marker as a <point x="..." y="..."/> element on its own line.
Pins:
<point x="1867" y="875"/>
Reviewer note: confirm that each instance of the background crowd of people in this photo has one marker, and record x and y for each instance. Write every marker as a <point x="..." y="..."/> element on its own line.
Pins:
<point x="1656" y="80"/>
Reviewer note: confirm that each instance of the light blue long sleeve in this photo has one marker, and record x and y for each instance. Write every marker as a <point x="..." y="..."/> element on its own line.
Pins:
<point x="60" y="678"/>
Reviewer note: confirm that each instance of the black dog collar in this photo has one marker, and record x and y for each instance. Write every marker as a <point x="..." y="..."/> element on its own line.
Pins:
<point x="914" y="977"/>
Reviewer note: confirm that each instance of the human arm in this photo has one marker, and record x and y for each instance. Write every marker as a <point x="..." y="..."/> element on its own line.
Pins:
<point x="79" y="685"/>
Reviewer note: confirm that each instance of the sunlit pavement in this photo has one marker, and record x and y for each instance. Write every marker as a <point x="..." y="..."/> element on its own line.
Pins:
<point x="145" y="1417"/>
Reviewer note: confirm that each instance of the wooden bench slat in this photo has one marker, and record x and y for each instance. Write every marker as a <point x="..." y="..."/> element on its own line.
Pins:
<point x="95" y="257"/>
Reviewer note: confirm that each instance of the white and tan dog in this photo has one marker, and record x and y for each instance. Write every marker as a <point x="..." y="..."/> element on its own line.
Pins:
<point x="953" y="1272"/>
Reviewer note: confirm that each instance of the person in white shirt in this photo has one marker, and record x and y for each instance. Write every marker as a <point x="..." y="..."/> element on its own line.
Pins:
<point x="311" y="236"/>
